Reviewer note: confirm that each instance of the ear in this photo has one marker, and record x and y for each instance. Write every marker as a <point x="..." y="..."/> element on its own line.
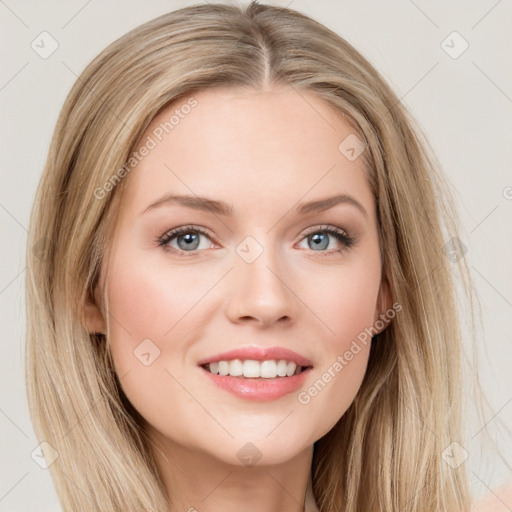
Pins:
<point x="384" y="303"/>
<point x="93" y="320"/>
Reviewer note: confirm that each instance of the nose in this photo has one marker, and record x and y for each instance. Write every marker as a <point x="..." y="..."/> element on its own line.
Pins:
<point x="261" y="292"/>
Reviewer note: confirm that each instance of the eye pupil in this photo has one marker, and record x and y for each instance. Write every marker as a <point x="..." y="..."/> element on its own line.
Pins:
<point x="190" y="239"/>
<point x="319" y="242"/>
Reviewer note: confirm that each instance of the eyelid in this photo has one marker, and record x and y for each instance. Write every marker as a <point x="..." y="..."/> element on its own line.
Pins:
<point x="163" y="240"/>
<point x="186" y="228"/>
<point x="322" y="227"/>
<point x="342" y="236"/>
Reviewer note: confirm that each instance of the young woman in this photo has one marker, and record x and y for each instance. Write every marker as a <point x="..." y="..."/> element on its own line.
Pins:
<point x="241" y="297"/>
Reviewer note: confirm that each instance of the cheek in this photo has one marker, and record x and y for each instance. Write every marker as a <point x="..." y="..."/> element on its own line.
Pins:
<point x="150" y="310"/>
<point x="147" y="301"/>
<point x="345" y="303"/>
<point x="348" y="309"/>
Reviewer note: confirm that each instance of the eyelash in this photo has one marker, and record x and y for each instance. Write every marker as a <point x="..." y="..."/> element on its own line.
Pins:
<point x="346" y="240"/>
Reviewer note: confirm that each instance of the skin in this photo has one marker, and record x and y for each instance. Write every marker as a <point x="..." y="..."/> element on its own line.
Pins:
<point x="262" y="152"/>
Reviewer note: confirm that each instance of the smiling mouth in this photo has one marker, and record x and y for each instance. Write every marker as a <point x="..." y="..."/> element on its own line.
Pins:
<point x="255" y="370"/>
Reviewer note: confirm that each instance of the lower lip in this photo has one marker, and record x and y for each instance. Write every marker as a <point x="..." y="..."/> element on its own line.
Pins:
<point x="259" y="390"/>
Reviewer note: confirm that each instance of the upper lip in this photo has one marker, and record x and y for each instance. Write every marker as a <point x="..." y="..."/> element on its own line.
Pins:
<point x="258" y="354"/>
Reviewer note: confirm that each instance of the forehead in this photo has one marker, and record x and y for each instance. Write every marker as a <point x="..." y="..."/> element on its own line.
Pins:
<point x="246" y="146"/>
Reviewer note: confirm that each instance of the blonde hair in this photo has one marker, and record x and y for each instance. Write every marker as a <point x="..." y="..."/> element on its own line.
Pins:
<point x="385" y="452"/>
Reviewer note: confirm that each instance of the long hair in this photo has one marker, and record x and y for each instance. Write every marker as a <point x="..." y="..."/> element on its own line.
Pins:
<point x="386" y="452"/>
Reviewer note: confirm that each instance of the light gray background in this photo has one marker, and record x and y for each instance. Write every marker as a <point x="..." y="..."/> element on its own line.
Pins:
<point x="463" y="104"/>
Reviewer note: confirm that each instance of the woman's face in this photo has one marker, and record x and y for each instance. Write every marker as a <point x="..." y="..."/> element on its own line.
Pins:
<point x="264" y="273"/>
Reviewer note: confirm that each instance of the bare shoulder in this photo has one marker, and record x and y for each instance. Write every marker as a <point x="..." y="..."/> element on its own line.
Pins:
<point x="498" y="500"/>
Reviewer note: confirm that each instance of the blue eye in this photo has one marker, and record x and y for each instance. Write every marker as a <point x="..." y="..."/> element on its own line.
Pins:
<point x="319" y="238"/>
<point x="188" y="239"/>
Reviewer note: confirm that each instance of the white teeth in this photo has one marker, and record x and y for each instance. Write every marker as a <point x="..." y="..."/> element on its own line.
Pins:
<point x="250" y="368"/>
<point x="236" y="368"/>
<point x="281" y="368"/>
<point x="223" y="367"/>
<point x="269" y="369"/>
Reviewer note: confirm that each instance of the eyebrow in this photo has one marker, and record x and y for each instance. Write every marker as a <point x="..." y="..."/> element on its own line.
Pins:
<point x="221" y="208"/>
